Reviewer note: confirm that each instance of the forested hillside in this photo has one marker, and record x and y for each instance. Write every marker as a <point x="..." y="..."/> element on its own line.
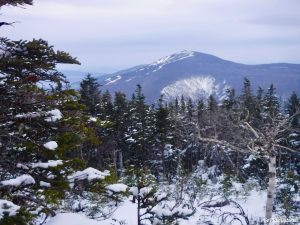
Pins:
<point x="88" y="152"/>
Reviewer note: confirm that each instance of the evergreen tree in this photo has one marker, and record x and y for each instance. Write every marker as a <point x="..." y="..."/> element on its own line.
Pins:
<point x="182" y="105"/>
<point x="161" y="133"/>
<point x="176" y="105"/>
<point x="106" y="107"/>
<point x="32" y="152"/>
<point x="293" y="107"/>
<point x="137" y="131"/>
<point x="90" y="94"/>
<point x="230" y="101"/>
<point x="190" y="109"/>
<point x="260" y="93"/>
<point x="121" y="121"/>
<point x="271" y="103"/>
<point x="212" y="104"/>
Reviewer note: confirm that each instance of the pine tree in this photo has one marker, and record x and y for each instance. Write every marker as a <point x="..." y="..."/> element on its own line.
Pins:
<point x="121" y="121"/>
<point x="293" y="107"/>
<point x="161" y="133"/>
<point x="248" y="100"/>
<point x="230" y="101"/>
<point x="182" y="105"/>
<point x="137" y="131"/>
<point x="106" y="106"/>
<point x="212" y="104"/>
<point x="190" y="109"/>
<point x="42" y="129"/>
<point x="90" y="94"/>
<point x="271" y="103"/>
<point x="176" y="105"/>
<point x="31" y="150"/>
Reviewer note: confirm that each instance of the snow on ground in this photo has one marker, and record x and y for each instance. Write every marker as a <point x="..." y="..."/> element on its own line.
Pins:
<point x="253" y="206"/>
<point x="74" y="219"/>
<point x="110" y="81"/>
<point x="125" y="213"/>
<point x="51" y="145"/>
<point x="117" y="188"/>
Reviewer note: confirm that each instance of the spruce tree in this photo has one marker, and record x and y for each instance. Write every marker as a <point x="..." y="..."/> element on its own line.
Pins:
<point x="90" y="94"/>
<point x="293" y="107"/>
<point x="271" y="103"/>
<point x="30" y="117"/>
<point x="182" y="105"/>
<point x="212" y="104"/>
<point x="41" y="127"/>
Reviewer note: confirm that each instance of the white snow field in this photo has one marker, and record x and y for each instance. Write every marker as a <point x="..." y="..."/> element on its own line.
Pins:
<point x="126" y="213"/>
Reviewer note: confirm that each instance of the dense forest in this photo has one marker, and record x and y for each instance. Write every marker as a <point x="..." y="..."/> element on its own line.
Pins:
<point x="87" y="150"/>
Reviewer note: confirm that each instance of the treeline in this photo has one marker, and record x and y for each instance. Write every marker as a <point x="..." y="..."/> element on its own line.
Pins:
<point x="252" y="135"/>
<point x="158" y="135"/>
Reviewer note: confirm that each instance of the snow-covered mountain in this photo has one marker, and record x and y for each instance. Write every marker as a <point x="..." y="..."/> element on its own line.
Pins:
<point x="196" y="74"/>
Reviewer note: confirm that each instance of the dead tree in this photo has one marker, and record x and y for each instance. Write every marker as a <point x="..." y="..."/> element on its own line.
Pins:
<point x="261" y="142"/>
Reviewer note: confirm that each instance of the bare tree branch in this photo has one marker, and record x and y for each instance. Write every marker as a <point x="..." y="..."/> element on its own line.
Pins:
<point x="247" y="126"/>
<point x="284" y="147"/>
<point x="224" y="143"/>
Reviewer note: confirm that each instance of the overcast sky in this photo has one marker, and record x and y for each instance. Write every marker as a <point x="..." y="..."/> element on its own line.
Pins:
<point x="107" y="35"/>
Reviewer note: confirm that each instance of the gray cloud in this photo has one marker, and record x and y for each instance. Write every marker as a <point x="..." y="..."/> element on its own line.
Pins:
<point x="108" y="35"/>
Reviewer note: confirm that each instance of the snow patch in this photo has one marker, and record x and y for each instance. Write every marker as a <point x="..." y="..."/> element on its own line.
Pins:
<point x="24" y="179"/>
<point x="196" y="87"/>
<point x="44" y="184"/>
<point x="45" y="165"/>
<point x="116" y="188"/>
<point x="51" y="145"/>
<point x="159" y="64"/>
<point x="92" y="119"/>
<point x="110" y="81"/>
<point x="8" y="208"/>
<point x="89" y="174"/>
<point x="53" y="115"/>
<point x="28" y="115"/>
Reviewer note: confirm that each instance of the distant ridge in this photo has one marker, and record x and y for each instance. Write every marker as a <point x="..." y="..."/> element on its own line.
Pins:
<point x="183" y="69"/>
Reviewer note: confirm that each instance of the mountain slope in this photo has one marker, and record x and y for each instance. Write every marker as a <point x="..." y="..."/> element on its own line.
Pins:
<point x="184" y="72"/>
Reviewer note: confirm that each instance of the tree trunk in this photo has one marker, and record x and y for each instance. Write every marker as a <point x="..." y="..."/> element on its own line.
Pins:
<point x="139" y="207"/>
<point x="121" y="166"/>
<point x="271" y="187"/>
<point x="115" y="160"/>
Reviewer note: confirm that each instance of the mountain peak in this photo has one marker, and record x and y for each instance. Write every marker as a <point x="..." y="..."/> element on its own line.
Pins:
<point x="174" y="57"/>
